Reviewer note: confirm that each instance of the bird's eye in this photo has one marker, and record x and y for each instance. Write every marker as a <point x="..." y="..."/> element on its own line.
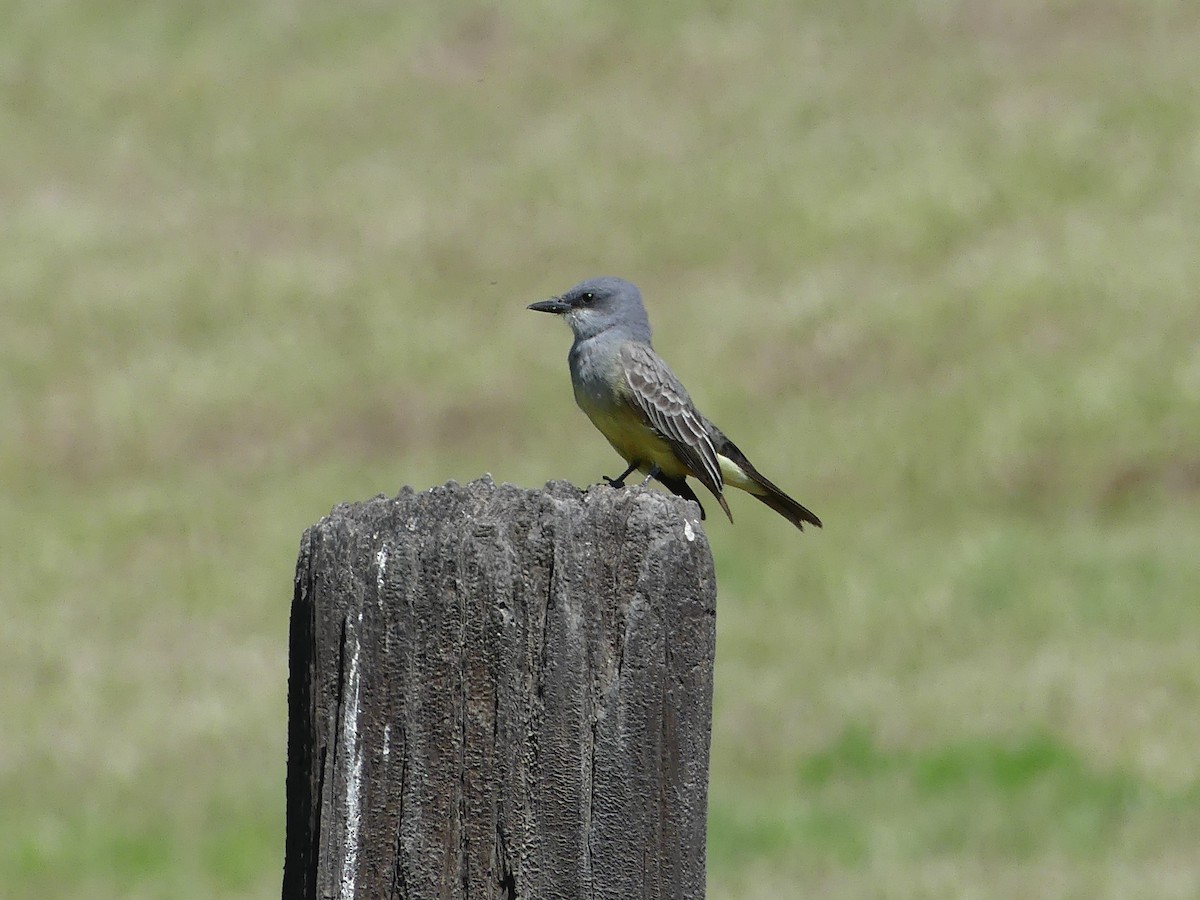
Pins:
<point x="588" y="297"/>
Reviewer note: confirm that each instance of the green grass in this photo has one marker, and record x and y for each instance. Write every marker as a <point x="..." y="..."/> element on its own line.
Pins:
<point x="932" y="265"/>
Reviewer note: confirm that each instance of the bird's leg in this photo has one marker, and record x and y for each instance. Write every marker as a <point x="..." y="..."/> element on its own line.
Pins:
<point x="654" y="471"/>
<point x="619" y="481"/>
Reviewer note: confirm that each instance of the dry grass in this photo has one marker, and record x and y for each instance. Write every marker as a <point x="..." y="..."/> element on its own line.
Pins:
<point x="932" y="266"/>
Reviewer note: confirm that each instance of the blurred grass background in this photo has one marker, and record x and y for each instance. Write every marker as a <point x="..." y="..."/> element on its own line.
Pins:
<point x="933" y="264"/>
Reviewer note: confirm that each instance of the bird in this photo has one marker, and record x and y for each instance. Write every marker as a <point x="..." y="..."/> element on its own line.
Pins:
<point x="637" y="403"/>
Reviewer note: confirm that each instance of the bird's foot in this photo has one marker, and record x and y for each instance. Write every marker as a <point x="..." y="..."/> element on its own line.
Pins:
<point x="619" y="481"/>
<point x="653" y="471"/>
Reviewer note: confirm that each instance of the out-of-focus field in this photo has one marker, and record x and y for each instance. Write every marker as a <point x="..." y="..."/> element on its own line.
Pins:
<point x="935" y="266"/>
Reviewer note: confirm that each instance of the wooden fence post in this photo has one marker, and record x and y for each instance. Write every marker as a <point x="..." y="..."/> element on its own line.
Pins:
<point x="501" y="693"/>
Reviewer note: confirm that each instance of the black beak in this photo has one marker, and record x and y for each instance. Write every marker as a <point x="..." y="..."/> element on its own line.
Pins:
<point x="555" y="305"/>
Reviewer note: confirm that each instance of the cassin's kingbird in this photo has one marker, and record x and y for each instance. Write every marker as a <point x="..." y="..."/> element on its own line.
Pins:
<point x="639" y="405"/>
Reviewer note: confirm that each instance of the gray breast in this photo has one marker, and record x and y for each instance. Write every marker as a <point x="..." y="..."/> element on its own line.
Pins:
<point x="595" y="371"/>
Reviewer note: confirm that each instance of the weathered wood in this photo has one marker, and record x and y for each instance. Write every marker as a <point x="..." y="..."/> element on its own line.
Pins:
<point x="501" y="693"/>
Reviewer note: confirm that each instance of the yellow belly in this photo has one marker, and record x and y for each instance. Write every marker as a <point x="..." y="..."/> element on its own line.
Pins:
<point x="631" y="438"/>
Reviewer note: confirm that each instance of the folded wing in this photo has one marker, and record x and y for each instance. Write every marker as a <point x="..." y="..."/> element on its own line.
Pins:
<point x="663" y="403"/>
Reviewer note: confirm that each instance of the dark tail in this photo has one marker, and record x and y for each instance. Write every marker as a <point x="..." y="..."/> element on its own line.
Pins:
<point x="785" y="505"/>
<point x="770" y="495"/>
<point x="683" y="489"/>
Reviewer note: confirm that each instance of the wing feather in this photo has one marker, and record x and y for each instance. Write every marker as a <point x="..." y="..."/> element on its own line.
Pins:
<point x="665" y="405"/>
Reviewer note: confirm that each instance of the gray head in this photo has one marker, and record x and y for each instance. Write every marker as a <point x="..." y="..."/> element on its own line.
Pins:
<point x="598" y="305"/>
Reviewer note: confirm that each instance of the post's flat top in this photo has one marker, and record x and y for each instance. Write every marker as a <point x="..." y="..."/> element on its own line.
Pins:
<point x="483" y="498"/>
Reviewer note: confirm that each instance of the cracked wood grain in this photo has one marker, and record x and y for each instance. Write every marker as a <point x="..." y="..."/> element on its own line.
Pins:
<point x="501" y="693"/>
